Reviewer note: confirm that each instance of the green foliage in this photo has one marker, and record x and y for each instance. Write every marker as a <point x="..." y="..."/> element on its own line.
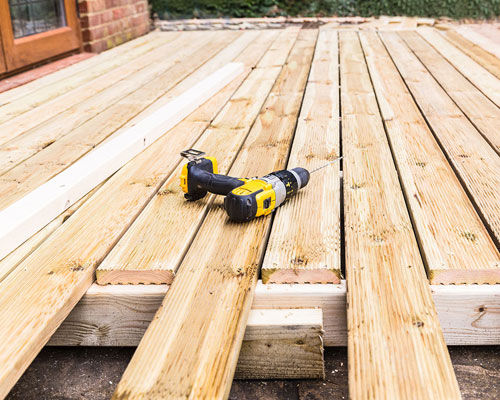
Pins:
<point x="257" y="8"/>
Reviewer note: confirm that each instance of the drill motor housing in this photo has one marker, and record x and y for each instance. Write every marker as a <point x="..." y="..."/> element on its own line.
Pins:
<point x="245" y="198"/>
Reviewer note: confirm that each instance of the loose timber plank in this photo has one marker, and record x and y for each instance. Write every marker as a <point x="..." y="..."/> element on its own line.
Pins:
<point x="479" y="76"/>
<point x="304" y="245"/>
<point x="118" y="315"/>
<point x="138" y="257"/>
<point x="42" y="83"/>
<point x="474" y="51"/>
<point x="395" y="344"/>
<point x="25" y="217"/>
<point x="191" y="347"/>
<point x="484" y="114"/>
<point x="26" y="103"/>
<point x="10" y="262"/>
<point x="136" y="61"/>
<point x="472" y="158"/>
<point x="42" y="290"/>
<point x="278" y="343"/>
<point x="28" y="175"/>
<point x="441" y="211"/>
<point x="43" y="136"/>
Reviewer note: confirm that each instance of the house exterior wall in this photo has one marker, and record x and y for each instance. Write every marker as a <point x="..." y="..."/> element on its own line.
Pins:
<point x="108" y="23"/>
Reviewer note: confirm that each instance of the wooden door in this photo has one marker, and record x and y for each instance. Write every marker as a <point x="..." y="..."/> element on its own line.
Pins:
<point x="3" y="67"/>
<point x="35" y="30"/>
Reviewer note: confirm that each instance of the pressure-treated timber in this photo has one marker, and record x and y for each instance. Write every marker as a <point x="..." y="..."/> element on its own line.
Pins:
<point x="479" y="76"/>
<point x="36" y="170"/>
<point x="81" y="67"/>
<point x="443" y="216"/>
<point x="162" y="74"/>
<point x="10" y="262"/>
<point x="135" y="61"/>
<point x="191" y="347"/>
<point x="484" y="114"/>
<point x="118" y="315"/>
<point x="395" y="344"/>
<point x="472" y="158"/>
<point x="153" y="247"/>
<point x="304" y="245"/>
<point x="474" y="51"/>
<point x="25" y="217"/>
<point x="42" y="290"/>
<point x="278" y="343"/>
<point x="16" y="107"/>
<point x="477" y="35"/>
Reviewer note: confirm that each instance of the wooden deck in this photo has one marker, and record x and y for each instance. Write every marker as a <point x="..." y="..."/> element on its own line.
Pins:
<point x="413" y="205"/>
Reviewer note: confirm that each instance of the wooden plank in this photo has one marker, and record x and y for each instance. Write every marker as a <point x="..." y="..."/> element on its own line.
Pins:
<point x="477" y="53"/>
<point x="138" y="257"/>
<point x="484" y="114"/>
<point x="278" y="343"/>
<point x="304" y="245"/>
<point x="42" y="290"/>
<point x="118" y="315"/>
<point x="24" y="90"/>
<point x="479" y="76"/>
<point x="442" y="214"/>
<point x="38" y="169"/>
<point x="10" y="262"/>
<point x="395" y="344"/>
<point x="479" y="39"/>
<point x="44" y="135"/>
<point x="18" y="106"/>
<point x="25" y="217"/>
<point x="192" y="345"/>
<point x="472" y="158"/>
<point x="136" y="61"/>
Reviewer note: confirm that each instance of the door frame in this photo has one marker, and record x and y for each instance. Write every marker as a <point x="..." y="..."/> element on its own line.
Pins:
<point x="34" y="48"/>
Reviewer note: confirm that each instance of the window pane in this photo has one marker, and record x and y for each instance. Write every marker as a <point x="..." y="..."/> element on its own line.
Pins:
<point x="35" y="16"/>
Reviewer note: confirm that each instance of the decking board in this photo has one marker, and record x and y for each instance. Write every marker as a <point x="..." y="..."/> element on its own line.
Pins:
<point x="470" y="155"/>
<point x="483" y="113"/>
<point x="442" y="214"/>
<point x="395" y="344"/>
<point x="304" y="244"/>
<point x="478" y="75"/>
<point x="43" y="289"/>
<point x="474" y="51"/>
<point x="160" y="76"/>
<point x="139" y="257"/>
<point x="218" y="277"/>
<point x="104" y="126"/>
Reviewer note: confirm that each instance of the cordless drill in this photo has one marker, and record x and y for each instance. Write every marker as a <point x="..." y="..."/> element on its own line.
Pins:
<point x="246" y="198"/>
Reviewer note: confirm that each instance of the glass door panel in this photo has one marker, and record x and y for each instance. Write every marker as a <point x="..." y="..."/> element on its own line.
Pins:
<point x="30" y="17"/>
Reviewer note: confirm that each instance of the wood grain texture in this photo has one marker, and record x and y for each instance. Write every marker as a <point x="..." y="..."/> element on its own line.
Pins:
<point x="474" y="51"/>
<point x="484" y="114"/>
<point x="191" y="347"/>
<point x="111" y="122"/>
<point x="479" y="76"/>
<point x="443" y="215"/>
<point x="472" y="158"/>
<point x="395" y="344"/>
<point x="278" y="343"/>
<point x="304" y="245"/>
<point x="42" y="290"/>
<point x="118" y="315"/>
<point x="138" y="257"/>
<point x="136" y="60"/>
<point x="485" y="37"/>
<point x="17" y="102"/>
<point x="163" y="73"/>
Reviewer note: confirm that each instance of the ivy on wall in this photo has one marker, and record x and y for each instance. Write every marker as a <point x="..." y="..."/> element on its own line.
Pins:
<point x="257" y="8"/>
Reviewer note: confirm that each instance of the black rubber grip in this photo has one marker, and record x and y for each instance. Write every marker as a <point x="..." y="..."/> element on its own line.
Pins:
<point x="214" y="183"/>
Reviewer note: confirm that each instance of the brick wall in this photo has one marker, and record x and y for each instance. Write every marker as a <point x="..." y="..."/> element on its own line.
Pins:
<point x="108" y="23"/>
